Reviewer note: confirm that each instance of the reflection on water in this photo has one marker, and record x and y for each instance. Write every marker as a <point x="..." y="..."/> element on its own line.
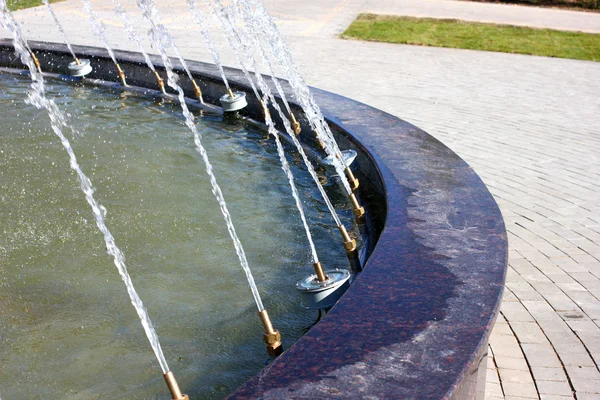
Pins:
<point x="67" y="329"/>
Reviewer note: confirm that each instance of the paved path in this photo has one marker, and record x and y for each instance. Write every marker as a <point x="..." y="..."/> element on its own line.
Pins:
<point x="530" y="126"/>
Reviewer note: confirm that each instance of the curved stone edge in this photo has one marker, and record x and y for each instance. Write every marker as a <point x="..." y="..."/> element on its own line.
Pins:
<point x="415" y="324"/>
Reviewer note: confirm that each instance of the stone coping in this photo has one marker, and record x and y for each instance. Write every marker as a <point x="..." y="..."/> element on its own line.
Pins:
<point x="415" y="323"/>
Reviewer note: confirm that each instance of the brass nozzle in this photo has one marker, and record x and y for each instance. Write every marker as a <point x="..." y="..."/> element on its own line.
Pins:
<point x="349" y="243"/>
<point x="230" y="93"/>
<point x="36" y="62"/>
<point x="174" y="387"/>
<point x="295" y="125"/>
<point x="351" y="179"/>
<point x="319" y="141"/>
<point x="359" y="211"/>
<point x="319" y="271"/>
<point x="272" y="337"/>
<point x="321" y="144"/>
<point x="198" y="92"/>
<point x="121" y="75"/>
<point x="160" y="82"/>
<point x="77" y="61"/>
<point x="266" y="111"/>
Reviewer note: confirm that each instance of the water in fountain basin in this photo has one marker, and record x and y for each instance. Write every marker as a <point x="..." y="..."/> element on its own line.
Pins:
<point x="65" y="328"/>
<point x="37" y="97"/>
<point x="161" y="36"/>
<point x="230" y="34"/>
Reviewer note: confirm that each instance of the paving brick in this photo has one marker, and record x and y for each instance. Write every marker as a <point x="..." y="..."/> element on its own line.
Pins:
<point x="549" y="374"/>
<point x="514" y="311"/>
<point x="583" y="373"/>
<point x="524" y="291"/>
<point x="523" y="390"/>
<point x="518" y="398"/>
<point x="512" y="363"/>
<point x="588" y="396"/>
<point x="541" y="355"/>
<point x="528" y="332"/>
<point x="515" y="376"/>
<point x="577" y="359"/>
<point x="560" y="388"/>
<point x="493" y="390"/>
<point x="586" y="386"/>
<point x="505" y="345"/>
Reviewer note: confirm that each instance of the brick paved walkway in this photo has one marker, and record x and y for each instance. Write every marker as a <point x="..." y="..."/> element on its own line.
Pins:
<point x="530" y="126"/>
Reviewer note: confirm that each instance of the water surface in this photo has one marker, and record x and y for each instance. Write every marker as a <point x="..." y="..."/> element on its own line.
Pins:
<point x="67" y="328"/>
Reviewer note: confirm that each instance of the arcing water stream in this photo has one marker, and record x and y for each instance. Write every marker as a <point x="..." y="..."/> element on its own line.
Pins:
<point x="230" y="33"/>
<point x="261" y="20"/>
<point x="99" y="28"/>
<point x="238" y="41"/>
<point x="159" y="36"/>
<point x="60" y="28"/>
<point x="37" y="97"/>
<point x="133" y="35"/>
<point x="200" y="20"/>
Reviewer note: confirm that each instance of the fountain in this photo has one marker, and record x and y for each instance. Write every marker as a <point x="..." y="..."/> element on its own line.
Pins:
<point x="432" y="250"/>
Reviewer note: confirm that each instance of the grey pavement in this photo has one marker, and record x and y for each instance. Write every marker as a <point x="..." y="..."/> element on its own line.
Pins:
<point x="529" y="126"/>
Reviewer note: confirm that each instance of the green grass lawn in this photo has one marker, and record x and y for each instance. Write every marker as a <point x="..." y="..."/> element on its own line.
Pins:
<point x="14" y="5"/>
<point x="475" y="36"/>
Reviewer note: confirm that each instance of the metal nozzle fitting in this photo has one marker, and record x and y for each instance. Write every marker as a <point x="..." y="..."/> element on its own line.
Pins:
<point x="351" y="179"/>
<point x="359" y="211"/>
<point x="320" y="143"/>
<point x="320" y="272"/>
<point x="295" y="125"/>
<point x="266" y="111"/>
<point x="174" y="387"/>
<point x="272" y="337"/>
<point x="77" y="61"/>
<point x="36" y="62"/>
<point x="121" y="75"/>
<point x="349" y="243"/>
<point x="230" y="93"/>
<point x="160" y="82"/>
<point x="198" y="92"/>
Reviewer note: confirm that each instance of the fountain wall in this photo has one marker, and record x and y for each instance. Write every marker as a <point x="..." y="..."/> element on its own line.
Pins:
<point x="416" y="321"/>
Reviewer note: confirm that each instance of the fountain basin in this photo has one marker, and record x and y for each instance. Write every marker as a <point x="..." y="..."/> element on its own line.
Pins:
<point x="416" y="321"/>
